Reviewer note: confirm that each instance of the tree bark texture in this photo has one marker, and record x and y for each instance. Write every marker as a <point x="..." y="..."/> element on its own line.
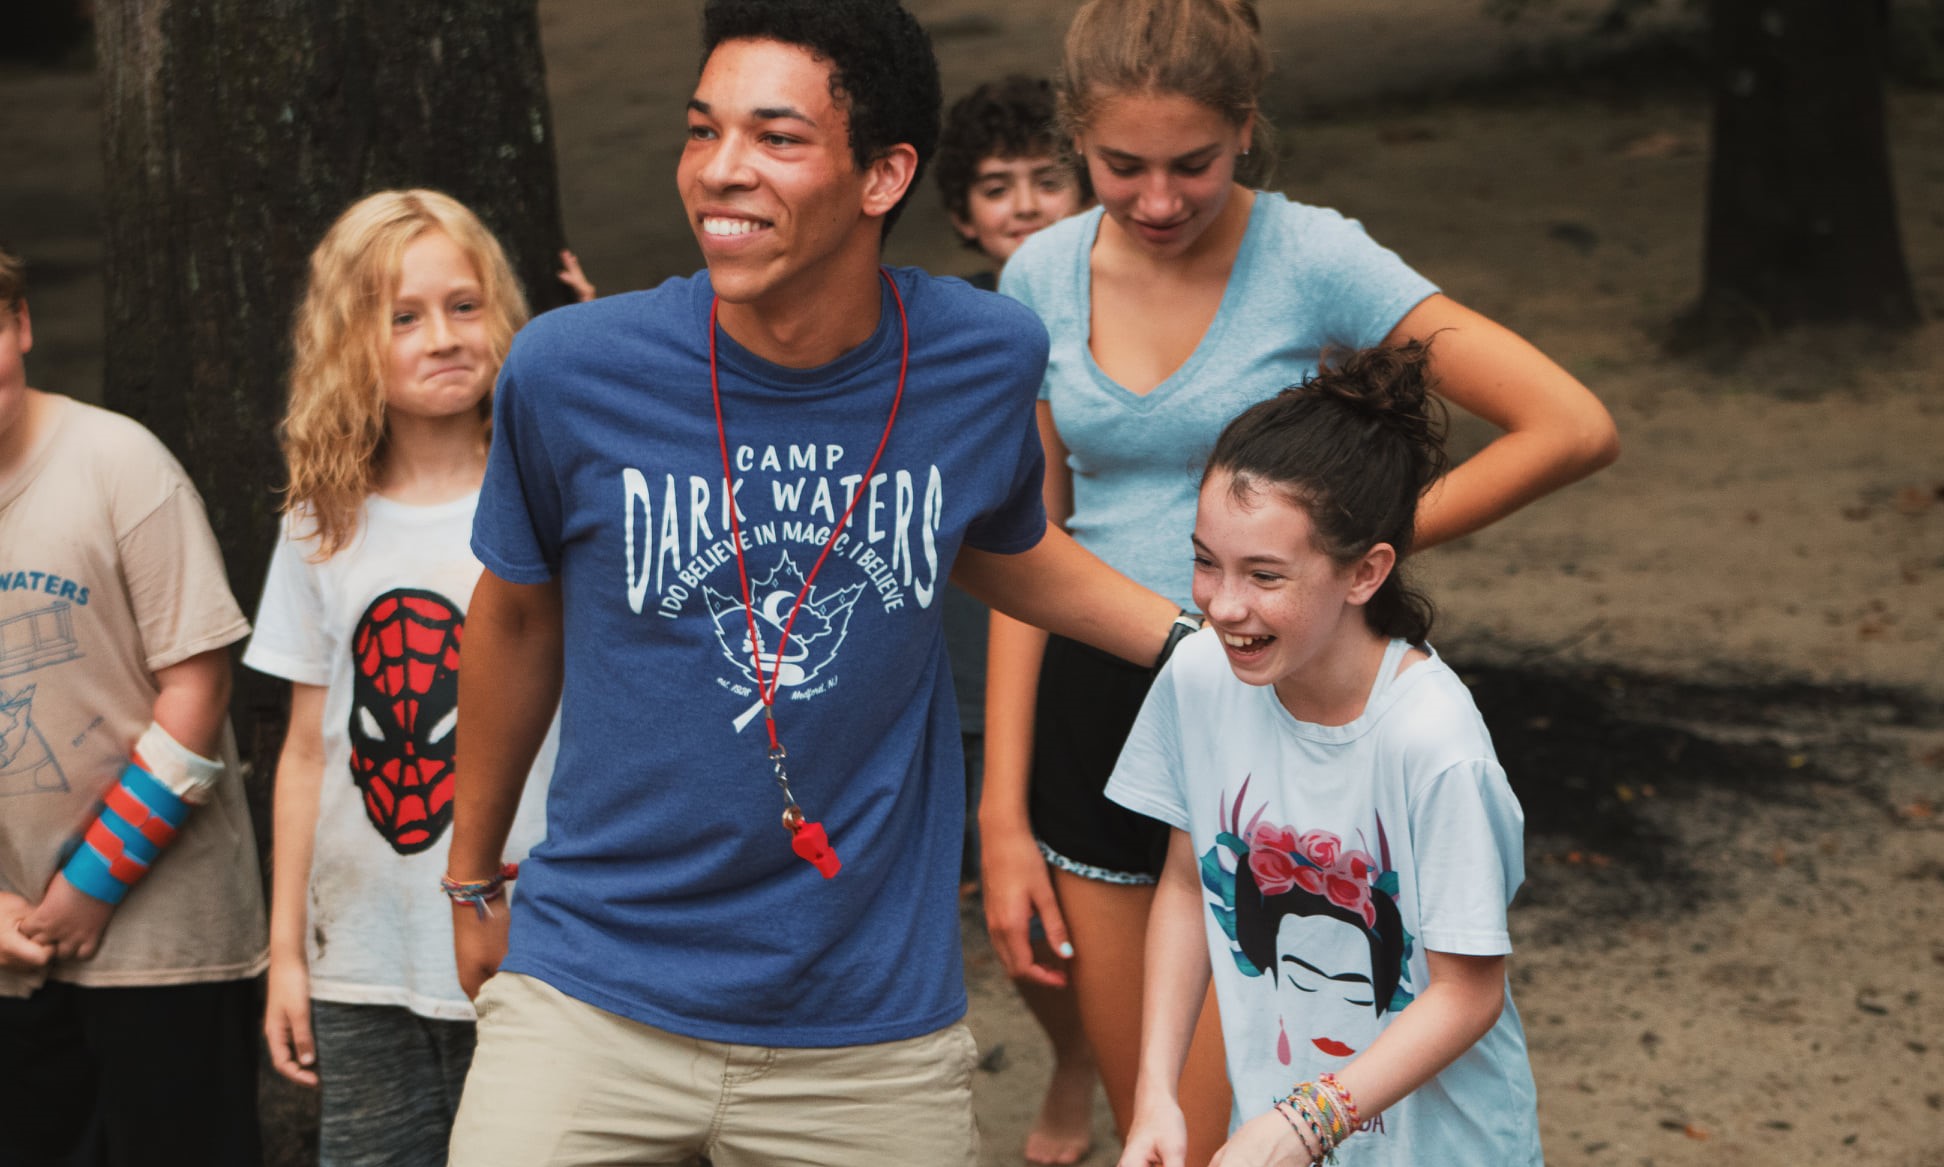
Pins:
<point x="235" y="131"/>
<point x="1802" y="219"/>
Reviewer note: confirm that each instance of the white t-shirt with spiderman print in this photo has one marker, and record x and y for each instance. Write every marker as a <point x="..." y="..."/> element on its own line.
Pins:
<point x="380" y="626"/>
<point x="1332" y="858"/>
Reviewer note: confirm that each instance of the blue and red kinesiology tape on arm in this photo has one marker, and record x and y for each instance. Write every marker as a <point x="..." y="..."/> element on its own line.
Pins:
<point x="140" y="815"/>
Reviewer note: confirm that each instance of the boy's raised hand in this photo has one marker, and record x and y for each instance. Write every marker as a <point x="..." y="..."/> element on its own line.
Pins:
<point x="68" y="922"/>
<point x="16" y="950"/>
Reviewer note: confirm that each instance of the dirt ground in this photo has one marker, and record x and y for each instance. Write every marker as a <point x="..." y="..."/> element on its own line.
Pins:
<point x="1714" y="671"/>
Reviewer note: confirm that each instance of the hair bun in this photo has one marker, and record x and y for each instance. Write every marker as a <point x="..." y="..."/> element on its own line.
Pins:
<point x="1390" y="384"/>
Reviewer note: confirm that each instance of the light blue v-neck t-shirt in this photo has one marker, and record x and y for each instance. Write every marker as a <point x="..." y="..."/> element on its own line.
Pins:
<point x="1305" y="278"/>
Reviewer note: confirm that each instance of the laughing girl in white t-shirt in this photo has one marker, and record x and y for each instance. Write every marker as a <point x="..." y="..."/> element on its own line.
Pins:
<point x="1344" y="843"/>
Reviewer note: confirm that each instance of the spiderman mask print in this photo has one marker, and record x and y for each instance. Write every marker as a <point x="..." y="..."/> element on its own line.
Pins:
<point x="404" y="705"/>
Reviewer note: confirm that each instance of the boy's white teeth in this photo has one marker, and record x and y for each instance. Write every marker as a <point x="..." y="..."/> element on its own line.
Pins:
<point x="1234" y="641"/>
<point x="718" y="226"/>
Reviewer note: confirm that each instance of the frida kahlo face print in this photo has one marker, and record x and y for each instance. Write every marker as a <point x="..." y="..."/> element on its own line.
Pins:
<point x="1318" y="916"/>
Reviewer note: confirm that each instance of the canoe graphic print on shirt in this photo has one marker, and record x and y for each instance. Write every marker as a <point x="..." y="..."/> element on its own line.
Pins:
<point x="815" y="634"/>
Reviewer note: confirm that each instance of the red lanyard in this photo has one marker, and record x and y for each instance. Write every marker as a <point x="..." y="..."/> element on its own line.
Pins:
<point x="807" y="839"/>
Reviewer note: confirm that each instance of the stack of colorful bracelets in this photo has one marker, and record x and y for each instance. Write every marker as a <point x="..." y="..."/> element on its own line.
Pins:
<point x="480" y="893"/>
<point x="1322" y="1115"/>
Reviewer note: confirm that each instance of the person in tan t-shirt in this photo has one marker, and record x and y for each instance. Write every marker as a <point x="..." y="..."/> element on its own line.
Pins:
<point x="131" y="911"/>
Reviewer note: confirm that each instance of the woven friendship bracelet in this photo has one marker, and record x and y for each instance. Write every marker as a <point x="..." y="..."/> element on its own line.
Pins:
<point x="1302" y="1136"/>
<point x="480" y="893"/>
<point x="1320" y="1127"/>
<point x="1329" y="1082"/>
<point x="1328" y="1111"/>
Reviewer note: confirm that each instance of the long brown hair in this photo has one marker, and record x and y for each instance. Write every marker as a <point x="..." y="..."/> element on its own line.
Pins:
<point x="333" y="432"/>
<point x="1209" y="51"/>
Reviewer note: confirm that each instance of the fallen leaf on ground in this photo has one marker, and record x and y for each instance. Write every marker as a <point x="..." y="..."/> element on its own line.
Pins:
<point x="1658" y="144"/>
<point x="1914" y="500"/>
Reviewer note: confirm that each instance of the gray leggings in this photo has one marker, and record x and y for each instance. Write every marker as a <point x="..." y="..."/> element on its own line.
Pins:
<point x="389" y="1082"/>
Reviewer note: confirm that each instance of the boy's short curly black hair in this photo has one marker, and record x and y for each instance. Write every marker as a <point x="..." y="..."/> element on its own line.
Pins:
<point x="1014" y="117"/>
<point x="882" y="70"/>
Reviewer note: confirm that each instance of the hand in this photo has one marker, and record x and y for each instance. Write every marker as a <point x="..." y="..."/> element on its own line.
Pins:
<point x="1267" y="1140"/>
<point x="287" y="1020"/>
<point x="576" y="280"/>
<point x="1157" y="1138"/>
<point x="1017" y="888"/>
<point x="16" y="951"/>
<point x="479" y="945"/>
<point x="69" y="922"/>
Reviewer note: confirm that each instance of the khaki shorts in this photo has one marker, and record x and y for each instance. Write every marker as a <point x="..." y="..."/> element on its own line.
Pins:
<point x="558" y="1081"/>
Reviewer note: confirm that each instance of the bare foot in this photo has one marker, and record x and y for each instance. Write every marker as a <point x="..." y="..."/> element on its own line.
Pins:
<point x="1063" y="1131"/>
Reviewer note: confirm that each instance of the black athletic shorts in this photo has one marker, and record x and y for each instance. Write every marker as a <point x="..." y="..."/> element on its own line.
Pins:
<point x="1087" y="704"/>
<point x="131" y="1077"/>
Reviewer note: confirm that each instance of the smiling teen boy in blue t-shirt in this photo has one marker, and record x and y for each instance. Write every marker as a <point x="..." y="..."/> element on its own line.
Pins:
<point x="706" y="530"/>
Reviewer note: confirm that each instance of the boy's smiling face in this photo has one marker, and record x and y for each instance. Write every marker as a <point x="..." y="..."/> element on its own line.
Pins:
<point x="767" y="176"/>
<point x="1010" y="198"/>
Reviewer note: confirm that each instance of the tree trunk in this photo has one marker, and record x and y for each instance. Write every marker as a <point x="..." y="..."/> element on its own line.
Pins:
<point x="1802" y="220"/>
<point x="235" y="131"/>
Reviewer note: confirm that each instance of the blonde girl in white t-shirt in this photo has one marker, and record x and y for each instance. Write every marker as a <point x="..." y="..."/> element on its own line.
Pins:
<point x="410" y="308"/>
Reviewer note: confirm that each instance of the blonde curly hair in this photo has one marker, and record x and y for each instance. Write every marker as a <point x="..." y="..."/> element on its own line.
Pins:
<point x="334" y="432"/>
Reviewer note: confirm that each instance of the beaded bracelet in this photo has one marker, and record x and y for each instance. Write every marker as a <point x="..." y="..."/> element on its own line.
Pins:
<point x="480" y="893"/>
<point x="1309" y="1148"/>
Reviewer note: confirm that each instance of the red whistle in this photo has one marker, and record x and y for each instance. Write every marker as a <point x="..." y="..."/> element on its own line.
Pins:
<point x="812" y="845"/>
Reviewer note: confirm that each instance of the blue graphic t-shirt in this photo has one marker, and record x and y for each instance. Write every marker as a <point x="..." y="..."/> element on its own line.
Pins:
<point x="666" y="890"/>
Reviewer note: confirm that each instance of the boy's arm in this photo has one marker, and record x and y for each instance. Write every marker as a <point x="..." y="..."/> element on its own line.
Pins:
<point x="171" y="772"/>
<point x="300" y="777"/>
<point x="1177" y="972"/>
<point x="1062" y="587"/>
<point x="509" y="687"/>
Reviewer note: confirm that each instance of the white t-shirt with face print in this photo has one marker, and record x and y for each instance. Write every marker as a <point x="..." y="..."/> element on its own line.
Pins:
<point x="1331" y="859"/>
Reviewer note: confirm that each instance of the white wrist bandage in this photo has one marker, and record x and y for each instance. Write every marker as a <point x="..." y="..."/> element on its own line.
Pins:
<point x="186" y="774"/>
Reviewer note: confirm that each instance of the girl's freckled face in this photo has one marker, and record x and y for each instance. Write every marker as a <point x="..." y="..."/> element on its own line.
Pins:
<point x="1277" y="602"/>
